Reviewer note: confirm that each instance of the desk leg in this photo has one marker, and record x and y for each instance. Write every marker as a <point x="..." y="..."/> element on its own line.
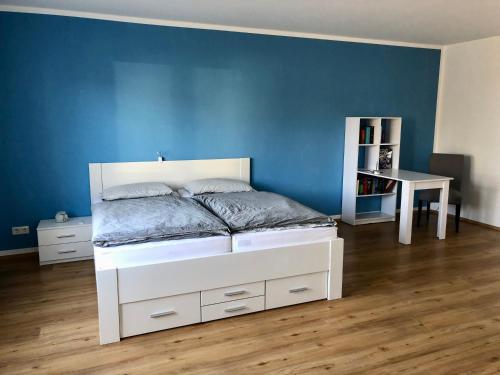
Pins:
<point x="406" y="212"/>
<point x="443" y="210"/>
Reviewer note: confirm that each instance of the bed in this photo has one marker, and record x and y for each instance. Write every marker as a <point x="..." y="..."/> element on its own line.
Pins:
<point x="174" y="281"/>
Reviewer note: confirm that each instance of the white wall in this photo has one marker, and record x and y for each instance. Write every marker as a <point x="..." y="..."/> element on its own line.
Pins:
<point x="468" y="122"/>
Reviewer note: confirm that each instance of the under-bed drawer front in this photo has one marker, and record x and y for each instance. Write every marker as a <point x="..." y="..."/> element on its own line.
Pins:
<point x="232" y="293"/>
<point x="64" y="235"/>
<point x="160" y="313"/>
<point x="61" y="252"/>
<point x="295" y="289"/>
<point x="233" y="308"/>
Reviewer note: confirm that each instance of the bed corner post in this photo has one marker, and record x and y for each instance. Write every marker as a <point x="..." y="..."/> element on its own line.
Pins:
<point x="336" y="269"/>
<point x="245" y="169"/>
<point x="107" y="299"/>
<point x="95" y="178"/>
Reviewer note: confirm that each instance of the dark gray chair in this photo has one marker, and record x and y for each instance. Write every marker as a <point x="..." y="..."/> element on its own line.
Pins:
<point x="450" y="165"/>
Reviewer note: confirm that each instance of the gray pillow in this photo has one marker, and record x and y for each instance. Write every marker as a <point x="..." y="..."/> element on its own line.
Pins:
<point x="139" y="190"/>
<point x="216" y="185"/>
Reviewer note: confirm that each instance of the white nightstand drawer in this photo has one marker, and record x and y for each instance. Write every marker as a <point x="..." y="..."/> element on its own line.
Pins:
<point x="233" y="308"/>
<point x="64" y="235"/>
<point x="232" y="293"/>
<point x="52" y="253"/>
<point x="296" y="289"/>
<point x="160" y="313"/>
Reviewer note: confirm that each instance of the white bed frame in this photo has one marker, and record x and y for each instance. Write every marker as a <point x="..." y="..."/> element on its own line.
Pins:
<point x="125" y="293"/>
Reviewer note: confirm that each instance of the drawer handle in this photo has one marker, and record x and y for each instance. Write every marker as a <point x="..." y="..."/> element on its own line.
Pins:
<point x="298" y="290"/>
<point x="234" y="309"/>
<point x="66" y="236"/>
<point x="162" y="313"/>
<point x="235" y="293"/>
<point x="65" y="251"/>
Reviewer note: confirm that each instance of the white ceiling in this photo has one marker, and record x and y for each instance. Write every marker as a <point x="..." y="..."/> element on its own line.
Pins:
<point x="437" y="22"/>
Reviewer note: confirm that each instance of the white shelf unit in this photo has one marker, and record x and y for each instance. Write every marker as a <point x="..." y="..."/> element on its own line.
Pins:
<point x="386" y="133"/>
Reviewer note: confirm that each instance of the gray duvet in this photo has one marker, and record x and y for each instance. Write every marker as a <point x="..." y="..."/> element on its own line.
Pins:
<point x="138" y="220"/>
<point x="259" y="210"/>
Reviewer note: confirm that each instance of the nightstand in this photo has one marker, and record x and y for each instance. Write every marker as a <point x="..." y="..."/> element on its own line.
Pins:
<point x="65" y="242"/>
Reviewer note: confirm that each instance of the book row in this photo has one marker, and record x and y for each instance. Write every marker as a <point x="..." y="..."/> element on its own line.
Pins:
<point x="366" y="134"/>
<point x="372" y="185"/>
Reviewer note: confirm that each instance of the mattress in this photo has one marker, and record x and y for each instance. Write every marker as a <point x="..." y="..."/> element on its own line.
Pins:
<point x="133" y="255"/>
<point x="260" y="210"/>
<point x="169" y="217"/>
<point x="261" y="240"/>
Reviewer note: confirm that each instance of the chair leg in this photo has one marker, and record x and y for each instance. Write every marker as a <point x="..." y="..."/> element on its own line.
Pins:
<point x="419" y="212"/>
<point x="428" y="213"/>
<point x="457" y="217"/>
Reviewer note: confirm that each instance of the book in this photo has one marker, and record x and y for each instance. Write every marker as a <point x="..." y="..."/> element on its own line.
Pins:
<point x="384" y="132"/>
<point x="368" y="136"/>
<point x="362" y="136"/>
<point x="390" y="186"/>
<point x="380" y="186"/>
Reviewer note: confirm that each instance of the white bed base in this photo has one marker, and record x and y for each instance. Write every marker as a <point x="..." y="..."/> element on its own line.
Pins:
<point x="144" y="296"/>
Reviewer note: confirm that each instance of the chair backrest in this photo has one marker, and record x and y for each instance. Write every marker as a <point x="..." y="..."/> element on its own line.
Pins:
<point x="450" y="165"/>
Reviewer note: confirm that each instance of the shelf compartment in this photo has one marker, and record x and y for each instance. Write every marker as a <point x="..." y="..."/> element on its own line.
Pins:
<point x="373" y="217"/>
<point x="375" y="186"/>
<point x="390" y="130"/>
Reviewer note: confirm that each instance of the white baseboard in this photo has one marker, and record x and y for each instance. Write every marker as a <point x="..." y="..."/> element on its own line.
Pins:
<point x="25" y="250"/>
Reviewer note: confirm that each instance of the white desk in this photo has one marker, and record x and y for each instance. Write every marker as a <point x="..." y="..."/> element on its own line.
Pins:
<point x="412" y="181"/>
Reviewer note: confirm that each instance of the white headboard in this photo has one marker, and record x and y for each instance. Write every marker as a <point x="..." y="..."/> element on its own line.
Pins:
<point x="174" y="173"/>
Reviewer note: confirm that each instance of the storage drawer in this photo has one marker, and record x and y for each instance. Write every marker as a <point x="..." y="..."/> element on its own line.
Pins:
<point x="233" y="308"/>
<point x="296" y="289"/>
<point x="231" y="293"/>
<point x="53" y="253"/>
<point x="64" y="235"/>
<point x="160" y="313"/>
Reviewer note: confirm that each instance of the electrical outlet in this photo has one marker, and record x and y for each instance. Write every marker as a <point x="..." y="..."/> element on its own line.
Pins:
<point x="16" y="231"/>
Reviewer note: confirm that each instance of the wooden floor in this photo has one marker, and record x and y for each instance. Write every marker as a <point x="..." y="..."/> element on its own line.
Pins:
<point x="429" y="308"/>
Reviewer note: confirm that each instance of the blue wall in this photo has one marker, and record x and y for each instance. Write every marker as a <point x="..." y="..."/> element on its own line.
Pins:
<point x="74" y="91"/>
